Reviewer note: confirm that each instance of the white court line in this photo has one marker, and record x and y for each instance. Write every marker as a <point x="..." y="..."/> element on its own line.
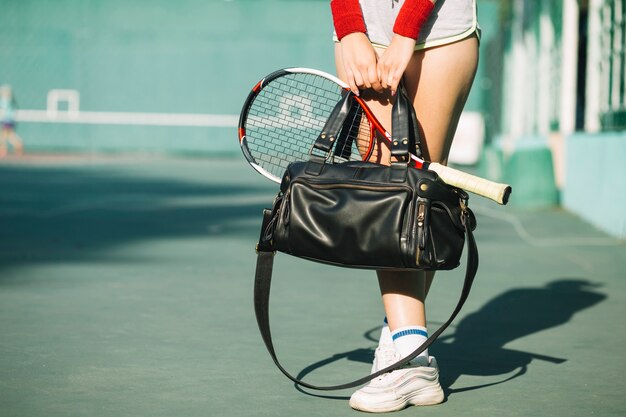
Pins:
<point x="566" y="241"/>
<point x="124" y="118"/>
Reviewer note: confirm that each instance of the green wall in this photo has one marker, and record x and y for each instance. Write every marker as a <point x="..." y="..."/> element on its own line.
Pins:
<point x="595" y="180"/>
<point x="186" y="56"/>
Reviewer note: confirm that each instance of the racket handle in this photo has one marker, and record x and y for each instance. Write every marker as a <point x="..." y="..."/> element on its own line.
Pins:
<point x="481" y="186"/>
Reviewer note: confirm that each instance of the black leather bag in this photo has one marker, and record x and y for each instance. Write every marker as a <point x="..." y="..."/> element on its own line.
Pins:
<point x="365" y="215"/>
<point x="352" y="215"/>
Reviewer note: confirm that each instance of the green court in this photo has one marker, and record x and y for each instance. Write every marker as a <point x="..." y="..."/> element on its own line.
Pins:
<point x="126" y="290"/>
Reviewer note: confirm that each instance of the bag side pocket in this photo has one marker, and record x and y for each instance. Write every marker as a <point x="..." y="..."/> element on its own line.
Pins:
<point x="348" y="224"/>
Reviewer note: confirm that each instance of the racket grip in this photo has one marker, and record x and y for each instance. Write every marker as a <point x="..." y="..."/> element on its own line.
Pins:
<point x="481" y="186"/>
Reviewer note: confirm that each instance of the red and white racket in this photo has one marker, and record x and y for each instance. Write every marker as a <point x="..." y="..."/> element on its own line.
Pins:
<point x="286" y="111"/>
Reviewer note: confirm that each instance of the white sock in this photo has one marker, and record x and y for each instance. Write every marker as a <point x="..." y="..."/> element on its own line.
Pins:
<point x="407" y="339"/>
<point x="385" y="334"/>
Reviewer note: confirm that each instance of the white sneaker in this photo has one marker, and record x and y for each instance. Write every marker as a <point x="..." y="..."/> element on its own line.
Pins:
<point x="384" y="356"/>
<point x="414" y="384"/>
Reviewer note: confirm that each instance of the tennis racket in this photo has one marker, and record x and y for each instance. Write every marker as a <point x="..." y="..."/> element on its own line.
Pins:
<point x="286" y="111"/>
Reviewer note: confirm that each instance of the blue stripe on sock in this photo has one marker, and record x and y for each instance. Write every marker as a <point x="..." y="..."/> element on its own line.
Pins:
<point x="407" y="332"/>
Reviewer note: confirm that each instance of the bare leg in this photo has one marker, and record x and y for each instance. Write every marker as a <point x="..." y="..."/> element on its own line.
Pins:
<point x="16" y="142"/>
<point x="3" y="143"/>
<point x="438" y="81"/>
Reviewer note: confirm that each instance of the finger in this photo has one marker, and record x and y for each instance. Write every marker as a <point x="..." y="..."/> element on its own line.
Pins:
<point x="364" y="78"/>
<point x="376" y="86"/>
<point x="351" y="82"/>
<point x="373" y="78"/>
<point x="394" y="80"/>
<point x="378" y="74"/>
<point x="382" y="74"/>
<point x="358" y="79"/>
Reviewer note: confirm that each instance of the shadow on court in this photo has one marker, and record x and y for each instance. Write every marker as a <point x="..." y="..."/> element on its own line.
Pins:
<point x="476" y="346"/>
<point x="78" y="213"/>
<point x="126" y="289"/>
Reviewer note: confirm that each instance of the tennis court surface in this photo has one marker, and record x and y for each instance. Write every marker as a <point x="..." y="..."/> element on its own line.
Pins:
<point x="126" y="290"/>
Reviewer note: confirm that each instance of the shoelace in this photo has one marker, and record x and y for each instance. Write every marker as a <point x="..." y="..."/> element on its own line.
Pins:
<point x="386" y="355"/>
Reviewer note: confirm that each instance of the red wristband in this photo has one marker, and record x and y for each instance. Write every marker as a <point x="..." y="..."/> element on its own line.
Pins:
<point x="347" y="17"/>
<point x="412" y="16"/>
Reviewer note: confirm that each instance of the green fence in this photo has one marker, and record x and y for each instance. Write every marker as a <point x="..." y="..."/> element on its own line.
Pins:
<point x="179" y="71"/>
<point x="186" y="57"/>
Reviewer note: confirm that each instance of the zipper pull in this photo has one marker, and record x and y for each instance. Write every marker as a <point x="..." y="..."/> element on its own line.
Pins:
<point x="422" y="231"/>
<point x="463" y="200"/>
<point x="421" y="222"/>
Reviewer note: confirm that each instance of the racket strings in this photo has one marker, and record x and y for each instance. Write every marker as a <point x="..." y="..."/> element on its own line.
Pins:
<point x="354" y="140"/>
<point x="289" y="113"/>
<point x="286" y="117"/>
<point x="366" y="145"/>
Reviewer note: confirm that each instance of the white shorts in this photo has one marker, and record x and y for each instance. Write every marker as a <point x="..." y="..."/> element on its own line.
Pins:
<point x="450" y="21"/>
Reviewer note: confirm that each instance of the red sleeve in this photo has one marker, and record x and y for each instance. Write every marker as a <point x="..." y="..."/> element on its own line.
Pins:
<point x="347" y="17"/>
<point x="412" y="16"/>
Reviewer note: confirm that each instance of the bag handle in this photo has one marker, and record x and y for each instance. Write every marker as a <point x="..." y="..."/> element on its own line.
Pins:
<point x="401" y="136"/>
<point x="405" y="132"/>
<point x="262" y="284"/>
<point x="329" y="133"/>
<point x="404" y="126"/>
<point x="335" y="121"/>
<point x="415" y="141"/>
<point x="405" y="135"/>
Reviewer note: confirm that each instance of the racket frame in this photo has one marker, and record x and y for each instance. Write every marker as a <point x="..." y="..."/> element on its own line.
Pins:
<point x="252" y="96"/>
<point x="495" y="191"/>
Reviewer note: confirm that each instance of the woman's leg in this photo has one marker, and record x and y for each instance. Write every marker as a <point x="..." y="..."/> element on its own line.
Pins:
<point x="3" y="142"/>
<point x="438" y="81"/>
<point x="16" y="142"/>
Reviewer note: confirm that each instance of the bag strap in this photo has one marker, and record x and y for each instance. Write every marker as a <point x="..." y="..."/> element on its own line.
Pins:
<point x="346" y="137"/>
<point x="404" y="124"/>
<point x="263" y="280"/>
<point x="415" y="141"/>
<point x="328" y="135"/>
<point x="335" y="121"/>
<point x="405" y="132"/>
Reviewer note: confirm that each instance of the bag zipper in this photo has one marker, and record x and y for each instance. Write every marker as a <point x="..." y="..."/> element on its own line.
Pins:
<point x="421" y="231"/>
<point x="372" y="186"/>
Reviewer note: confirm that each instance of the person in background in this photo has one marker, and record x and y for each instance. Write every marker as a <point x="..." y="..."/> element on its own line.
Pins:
<point x="7" y="112"/>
